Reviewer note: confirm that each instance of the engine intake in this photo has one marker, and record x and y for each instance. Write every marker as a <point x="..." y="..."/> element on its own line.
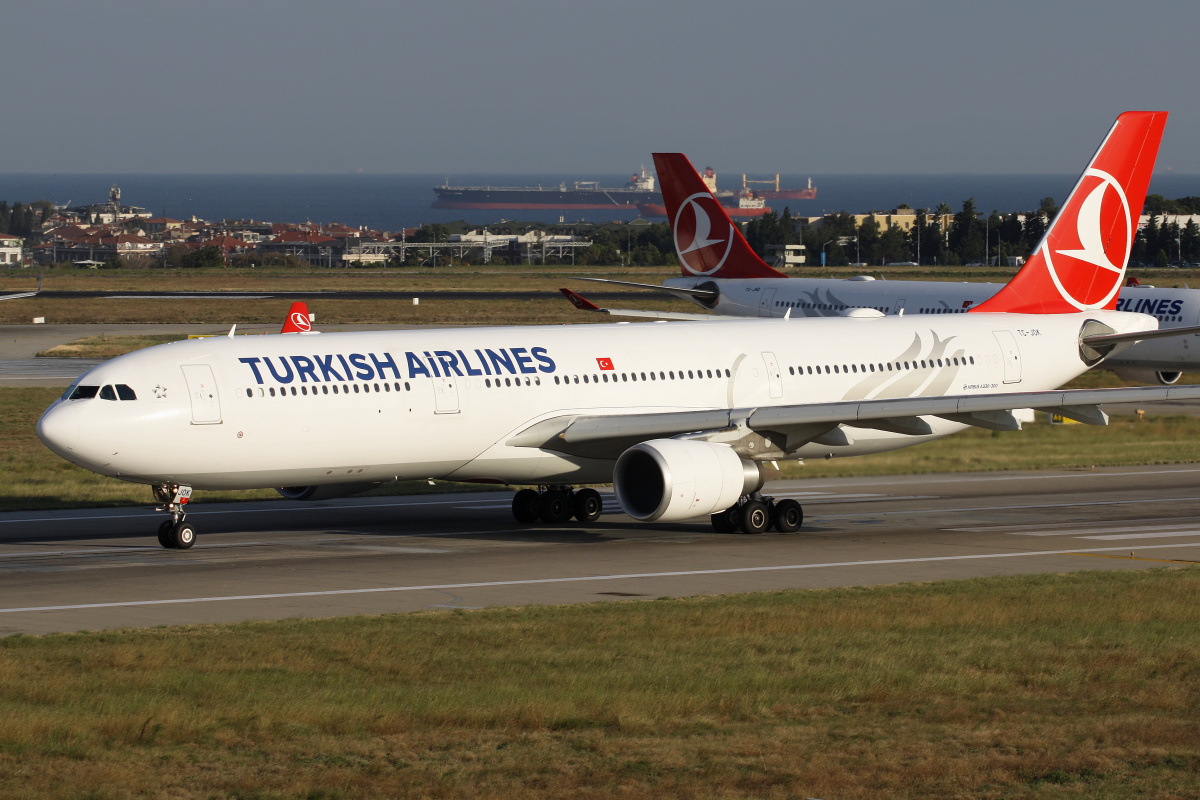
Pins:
<point x="674" y="479"/>
<point x="1164" y="377"/>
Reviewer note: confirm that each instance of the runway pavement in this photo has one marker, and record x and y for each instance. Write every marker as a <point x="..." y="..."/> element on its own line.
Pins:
<point x="92" y="569"/>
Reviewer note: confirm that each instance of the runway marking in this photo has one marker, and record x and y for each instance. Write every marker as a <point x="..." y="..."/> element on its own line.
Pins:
<point x="582" y="579"/>
<point x="382" y="548"/>
<point x="1065" y="530"/>
<point x="1113" y="537"/>
<point x="1167" y="522"/>
<point x="1033" y="506"/>
<point x="186" y="296"/>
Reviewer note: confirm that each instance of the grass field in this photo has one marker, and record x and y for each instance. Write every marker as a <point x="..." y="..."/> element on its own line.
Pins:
<point x="1081" y="685"/>
<point x="431" y="311"/>
<point x="481" y="277"/>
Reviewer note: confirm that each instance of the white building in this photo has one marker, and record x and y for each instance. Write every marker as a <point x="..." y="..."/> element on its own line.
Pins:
<point x="10" y="250"/>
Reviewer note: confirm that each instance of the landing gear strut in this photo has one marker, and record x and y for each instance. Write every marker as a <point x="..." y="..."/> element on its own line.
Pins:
<point x="175" y="533"/>
<point x="555" y="505"/>
<point x="756" y="513"/>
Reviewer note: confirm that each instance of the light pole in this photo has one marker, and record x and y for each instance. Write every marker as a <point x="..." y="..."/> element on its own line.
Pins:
<point x="831" y="241"/>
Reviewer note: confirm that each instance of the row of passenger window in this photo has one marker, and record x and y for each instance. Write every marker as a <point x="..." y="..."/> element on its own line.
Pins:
<point x="328" y="388"/>
<point x="826" y="306"/>
<point x="897" y="366"/>
<point x="118" y="392"/>
<point x="626" y="377"/>
<point x="841" y="307"/>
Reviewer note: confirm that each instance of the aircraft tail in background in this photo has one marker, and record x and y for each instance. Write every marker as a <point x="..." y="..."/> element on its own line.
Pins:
<point x="297" y="320"/>
<point x="707" y="242"/>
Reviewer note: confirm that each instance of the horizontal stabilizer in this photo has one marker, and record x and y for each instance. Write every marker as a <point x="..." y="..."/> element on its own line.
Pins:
<point x="583" y="304"/>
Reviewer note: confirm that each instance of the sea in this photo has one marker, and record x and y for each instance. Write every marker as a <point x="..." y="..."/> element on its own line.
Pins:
<point x="393" y="202"/>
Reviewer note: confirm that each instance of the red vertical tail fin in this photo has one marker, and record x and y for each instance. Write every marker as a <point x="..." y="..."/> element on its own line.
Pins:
<point x="1080" y="262"/>
<point x="707" y="242"/>
<point x="297" y="320"/>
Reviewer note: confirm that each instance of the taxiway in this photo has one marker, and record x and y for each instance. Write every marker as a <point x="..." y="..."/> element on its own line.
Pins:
<point x="94" y="569"/>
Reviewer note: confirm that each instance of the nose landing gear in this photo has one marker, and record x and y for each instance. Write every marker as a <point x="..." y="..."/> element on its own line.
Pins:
<point x="175" y="533"/>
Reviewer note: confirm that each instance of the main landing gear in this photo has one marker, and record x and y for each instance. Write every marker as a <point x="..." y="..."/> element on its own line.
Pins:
<point x="756" y="513"/>
<point x="554" y="505"/>
<point x="175" y="533"/>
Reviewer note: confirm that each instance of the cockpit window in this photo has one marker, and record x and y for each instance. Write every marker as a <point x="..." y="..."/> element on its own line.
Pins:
<point x="84" y="392"/>
<point x="107" y="393"/>
<point x="125" y="393"/>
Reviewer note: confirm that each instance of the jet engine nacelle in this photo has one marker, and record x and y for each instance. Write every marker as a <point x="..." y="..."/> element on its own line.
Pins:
<point x="674" y="479"/>
<point x="1165" y="378"/>
<point x="327" y="491"/>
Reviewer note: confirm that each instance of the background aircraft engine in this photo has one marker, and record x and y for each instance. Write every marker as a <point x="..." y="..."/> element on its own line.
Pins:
<point x="674" y="479"/>
<point x="325" y="492"/>
<point x="1164" y="377"/>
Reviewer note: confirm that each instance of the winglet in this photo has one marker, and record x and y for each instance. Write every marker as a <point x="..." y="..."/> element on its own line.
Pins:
<point x="579" y="301"/>
<point x="707" y="242"/>
<point x="297" y="319"/>
<point x="1080" y="262"/>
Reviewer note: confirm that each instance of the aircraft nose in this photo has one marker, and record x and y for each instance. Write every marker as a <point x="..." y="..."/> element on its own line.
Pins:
<point x="59" y="429"/>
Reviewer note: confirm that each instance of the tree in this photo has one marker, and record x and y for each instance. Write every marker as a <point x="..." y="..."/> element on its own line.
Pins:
<point x="868" y="241"/>
<point x="435" y="232"/>
<point x="966" y="234"/>
<point x="893" y="245"/>
<point x="1190" y="241"/>
<point x="204" y="258"/>
<point x="1048" y="207"/>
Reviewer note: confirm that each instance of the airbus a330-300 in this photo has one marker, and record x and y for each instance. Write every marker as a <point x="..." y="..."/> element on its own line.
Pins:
<point x="682" y="418"/>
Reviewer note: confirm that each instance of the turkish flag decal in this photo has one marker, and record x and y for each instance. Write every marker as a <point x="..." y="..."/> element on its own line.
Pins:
<point x="605" y="363"/>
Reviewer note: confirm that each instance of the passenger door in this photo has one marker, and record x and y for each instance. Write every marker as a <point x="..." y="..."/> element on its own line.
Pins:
<point x="774" y="376"/>
<point x="445" y="396"/>
<point x="202" y="389"/>
<point x="765" y="308"/>
<point x="1011" y="355"/>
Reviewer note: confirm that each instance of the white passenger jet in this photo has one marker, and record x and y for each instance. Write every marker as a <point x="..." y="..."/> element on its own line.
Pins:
<point x="680" y="417"/>
<point x="740" y="284"/>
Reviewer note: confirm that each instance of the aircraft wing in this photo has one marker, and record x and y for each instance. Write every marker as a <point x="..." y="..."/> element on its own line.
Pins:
<point x="19" y="295"/>
<point x="583" y="304"/>
<point x="608" y="436"/>
<point x="678" y="291"/>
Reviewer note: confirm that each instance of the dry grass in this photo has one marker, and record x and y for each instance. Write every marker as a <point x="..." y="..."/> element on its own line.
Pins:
<point x="1046" y="686"/>
<point x="432" y="311"/>
<point x="480" y="277"/>
<point x="107" y="346"/>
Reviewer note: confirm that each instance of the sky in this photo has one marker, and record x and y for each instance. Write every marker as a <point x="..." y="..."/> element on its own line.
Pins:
<point x="460" y="86"/>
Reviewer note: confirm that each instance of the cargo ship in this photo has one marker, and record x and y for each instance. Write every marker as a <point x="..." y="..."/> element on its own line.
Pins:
<point x="775" y="193"/>
<point x="746" y="205"/>
<point x="581" y="195"/>
<point x="638" y="194"/>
